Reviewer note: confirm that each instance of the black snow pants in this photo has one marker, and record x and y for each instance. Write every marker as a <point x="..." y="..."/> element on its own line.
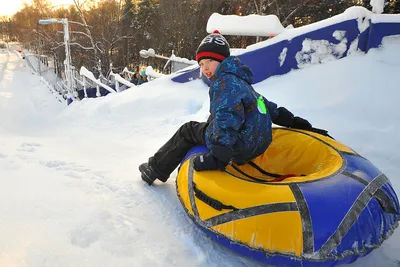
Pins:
<point x="170" y="155"/>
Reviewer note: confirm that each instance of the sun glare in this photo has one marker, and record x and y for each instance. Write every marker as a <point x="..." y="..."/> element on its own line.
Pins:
<point x="9" y="8"/>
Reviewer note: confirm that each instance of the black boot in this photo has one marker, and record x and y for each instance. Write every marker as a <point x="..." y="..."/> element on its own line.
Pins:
<point x="148" y="174"/>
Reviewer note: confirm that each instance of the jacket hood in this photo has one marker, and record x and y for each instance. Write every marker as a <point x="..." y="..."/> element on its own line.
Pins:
<point x="233" y="65"/>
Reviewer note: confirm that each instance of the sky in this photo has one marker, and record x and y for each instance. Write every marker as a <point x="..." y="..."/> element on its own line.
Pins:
<point x="9" y="8"/>
<point x="70" y="190"/>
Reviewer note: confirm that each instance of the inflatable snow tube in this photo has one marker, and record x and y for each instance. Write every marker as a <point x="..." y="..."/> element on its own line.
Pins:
<point x="333" y="206"/>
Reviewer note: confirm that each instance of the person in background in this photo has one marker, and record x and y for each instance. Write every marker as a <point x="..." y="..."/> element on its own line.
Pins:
<point x="239" y="128"/>
<point x="143" y="78"/>
<point x="136" y="78"/>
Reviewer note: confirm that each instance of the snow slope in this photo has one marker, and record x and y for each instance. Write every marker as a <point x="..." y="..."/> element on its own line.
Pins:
<point x="70" y="191"/>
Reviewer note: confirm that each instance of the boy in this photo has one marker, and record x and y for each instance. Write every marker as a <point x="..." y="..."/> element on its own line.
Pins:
<point x="239" y="127"/>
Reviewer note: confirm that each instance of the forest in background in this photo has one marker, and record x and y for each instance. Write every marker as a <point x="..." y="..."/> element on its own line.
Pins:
<point x="114" y="31"/>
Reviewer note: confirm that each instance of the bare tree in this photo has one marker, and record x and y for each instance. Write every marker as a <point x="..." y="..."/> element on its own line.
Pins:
<point x="79" y="7"/>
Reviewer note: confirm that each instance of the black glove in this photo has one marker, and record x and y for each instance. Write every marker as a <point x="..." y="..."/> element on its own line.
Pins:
<point x="217" y="159"/>
<point x="207" y="162"/>
<point x="300" y="123"/>
<point x="284" y="118"/>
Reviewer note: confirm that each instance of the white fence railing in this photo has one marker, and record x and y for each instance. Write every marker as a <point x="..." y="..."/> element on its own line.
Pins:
<point x="86" y="74"/>
<point x="84" y="79"/>
<point x="40" y="66"/>
<point x="118" y="79"/>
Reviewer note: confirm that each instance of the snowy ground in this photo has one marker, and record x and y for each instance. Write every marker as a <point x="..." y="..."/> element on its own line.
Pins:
<point x="70" y="191"/>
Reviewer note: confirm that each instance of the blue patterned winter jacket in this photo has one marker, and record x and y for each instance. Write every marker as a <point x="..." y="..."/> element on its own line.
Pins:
<point x="235" y="121"/>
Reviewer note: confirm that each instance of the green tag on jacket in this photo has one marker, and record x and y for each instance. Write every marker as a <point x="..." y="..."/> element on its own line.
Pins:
<point x="262" y="108"/>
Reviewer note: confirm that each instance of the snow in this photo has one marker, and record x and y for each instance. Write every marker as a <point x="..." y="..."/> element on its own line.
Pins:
<point x="391" y="18"/>
<point x="152" y="73"/>
<point x="88" y="74"/>
<point x="183" y="60"/>
<point x="353" y="47"/>
<point x="320" y="51"/>
<point x="282" y="56"/>
<point x="377" y="6"/>
<point x="251" y="25"/>
<point x="70" y="191"/>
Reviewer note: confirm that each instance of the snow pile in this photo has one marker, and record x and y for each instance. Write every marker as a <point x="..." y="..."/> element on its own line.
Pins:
<point x="320" y="51"/>
<point x="251" y="25"/>
<point x="377" y="6"/>
<point x="152" y="73"/>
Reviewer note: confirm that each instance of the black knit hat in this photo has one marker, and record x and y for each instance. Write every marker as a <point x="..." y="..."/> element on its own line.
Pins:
<point x="213" y="46"/>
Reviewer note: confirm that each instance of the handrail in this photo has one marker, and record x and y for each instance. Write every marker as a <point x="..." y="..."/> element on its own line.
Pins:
<point x="119" y="79"/>
<point x="89" y="75"/>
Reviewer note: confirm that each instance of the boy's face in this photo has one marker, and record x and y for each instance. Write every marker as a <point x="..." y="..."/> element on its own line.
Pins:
<point x="208" y="67"/>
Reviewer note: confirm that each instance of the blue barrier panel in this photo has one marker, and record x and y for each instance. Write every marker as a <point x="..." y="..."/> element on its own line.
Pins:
<point x="187" y="76"/>
<point x="92" y="91"/>
<point x="265" y="62"/>
<point x="379" y="30"/>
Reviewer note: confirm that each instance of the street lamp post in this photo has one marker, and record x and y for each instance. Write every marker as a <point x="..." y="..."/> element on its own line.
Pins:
<point x="67" y="62"/>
